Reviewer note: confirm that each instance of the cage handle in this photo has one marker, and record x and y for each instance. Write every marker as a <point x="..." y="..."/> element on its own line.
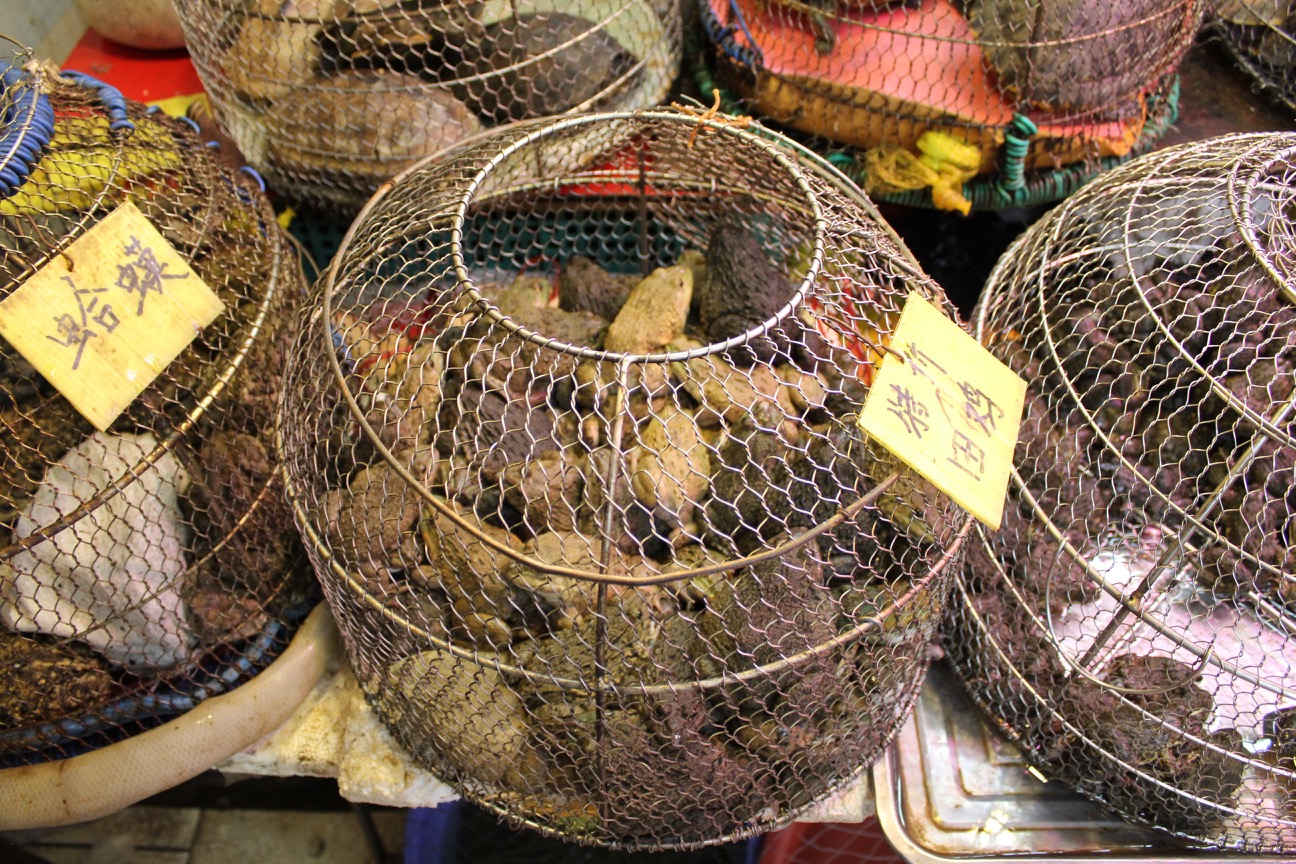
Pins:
<point x="114" y="103"/>
<point x="28" y="126"/>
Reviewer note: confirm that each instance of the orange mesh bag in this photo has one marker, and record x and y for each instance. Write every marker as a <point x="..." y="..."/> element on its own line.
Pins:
<point x="980" y="103"/>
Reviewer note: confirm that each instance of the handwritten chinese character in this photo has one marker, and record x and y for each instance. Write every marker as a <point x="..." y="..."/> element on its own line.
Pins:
<point x="912" y="413"/>
<point x="980" y="409"/>
<point x="968" y="455"/>
<point x="144" y="274"/>
<point x="73" y="332"/>
<point x="918" y="364"/>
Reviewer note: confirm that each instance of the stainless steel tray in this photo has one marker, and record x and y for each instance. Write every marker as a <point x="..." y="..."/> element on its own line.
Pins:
<point x="951" y="789"/>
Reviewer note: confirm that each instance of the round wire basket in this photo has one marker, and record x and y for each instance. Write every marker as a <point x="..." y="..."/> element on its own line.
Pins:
<point x="152" y="564"/>
<point x="1261" y="36"/>
<point x="1133" y="624"/>
<point x="569" y="431"/>
<point x="958" y="104"/>
<point x="329" y="98"/>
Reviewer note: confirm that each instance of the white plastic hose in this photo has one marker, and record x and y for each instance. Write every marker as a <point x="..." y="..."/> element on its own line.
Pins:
<point x="106" y="780"/>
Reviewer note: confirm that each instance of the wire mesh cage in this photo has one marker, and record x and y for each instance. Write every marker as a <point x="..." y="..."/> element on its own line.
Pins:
<point x="1132" y="625"/>
<point x="152" y="563"/>
<point x="959" y="104"/>
<point x="329" y="98"/>
<point x="570" y="433"/>
<point x="1261" y="36"/>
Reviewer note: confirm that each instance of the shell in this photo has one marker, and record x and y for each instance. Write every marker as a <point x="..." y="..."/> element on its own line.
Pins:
<point x="529" y="80"/>
<point x="112" y="578"/>
<point x="377" y="123"/>
<point x="1097" y="55"/>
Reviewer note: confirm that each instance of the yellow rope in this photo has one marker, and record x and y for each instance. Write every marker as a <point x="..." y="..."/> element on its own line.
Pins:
<point x="943" y="163"/>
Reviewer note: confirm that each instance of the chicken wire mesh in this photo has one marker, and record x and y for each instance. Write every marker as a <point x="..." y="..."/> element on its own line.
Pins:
<point x="1261" y="36"/>
<point x="1133" y="624"/>
<point x="569" y="429"/>
<point x="148" y="566"/>
<point x="329" y="98"/>
<point x="959" y="104"/>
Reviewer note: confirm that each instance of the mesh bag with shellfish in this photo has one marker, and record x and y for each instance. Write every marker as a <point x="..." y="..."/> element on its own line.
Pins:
<point x="957" y="104"/>
<point x="1133" y="624"/>
<point x="147" y="560"/>
<point x="1261" y="36"/>
<point x="570" y="434"/>
<point x="329" y="98"/>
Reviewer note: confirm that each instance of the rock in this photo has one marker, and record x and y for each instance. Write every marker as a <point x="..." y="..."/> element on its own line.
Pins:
<point x="113" y="578"/>
<point x="371" y="523"/>
<point x="468" y="572"/>
<point x="547" y="490"/>
<point x="557" y="601"/>
<point x="744" y="289"/>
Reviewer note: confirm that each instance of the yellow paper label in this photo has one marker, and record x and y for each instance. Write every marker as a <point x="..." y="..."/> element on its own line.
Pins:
<point x="103" y="318"/>
<point x="948" y="409"/>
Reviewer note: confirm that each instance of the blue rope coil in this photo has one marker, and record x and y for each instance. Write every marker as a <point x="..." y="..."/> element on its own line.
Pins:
<point x="109" y="96"/>
<point x="210" y="677"/>
<point x="25" y="128"/>
<point x="722" y="35"/>
<point x="255" y="175"/>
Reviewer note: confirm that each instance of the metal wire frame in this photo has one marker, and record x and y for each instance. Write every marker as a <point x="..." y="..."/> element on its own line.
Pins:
<point x="368" y="605"/>
<point x="1248" y="170"/>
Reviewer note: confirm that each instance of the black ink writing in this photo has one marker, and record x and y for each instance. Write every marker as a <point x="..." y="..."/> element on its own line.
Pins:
<point x="144" y="274"/>
<point x="912" y="413"/>
<point x="979" y="409"/>
<point x="75" y="330"/>
<point x="968" y="456"/>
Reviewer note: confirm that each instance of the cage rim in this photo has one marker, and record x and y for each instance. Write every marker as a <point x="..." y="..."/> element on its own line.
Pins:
<point x="1281" y="147"/>
<point x="470" y="195"/>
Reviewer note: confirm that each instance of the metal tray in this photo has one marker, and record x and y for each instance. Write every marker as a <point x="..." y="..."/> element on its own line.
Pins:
<point x="951" y="789"/>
